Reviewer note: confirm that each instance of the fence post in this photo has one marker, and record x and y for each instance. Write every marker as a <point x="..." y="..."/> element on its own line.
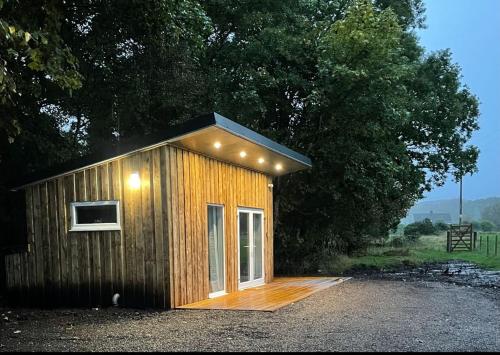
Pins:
<point x="474" y="241"/>
<point x="448" y="244"/>
<point x="480" y="242"/>
<point x="488" y="245"/>
<point x="496" y="244"/>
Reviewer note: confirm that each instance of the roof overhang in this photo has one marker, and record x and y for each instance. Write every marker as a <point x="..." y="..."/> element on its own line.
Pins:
<point x="229" y="141"/>
<point x="198" y="135"/>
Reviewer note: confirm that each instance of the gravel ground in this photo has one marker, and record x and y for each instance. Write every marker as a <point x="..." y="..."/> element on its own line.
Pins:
<point x="357" y="315"/>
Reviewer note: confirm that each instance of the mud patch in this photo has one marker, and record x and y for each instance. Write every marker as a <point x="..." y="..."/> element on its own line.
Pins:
<point x="456" y="272"/>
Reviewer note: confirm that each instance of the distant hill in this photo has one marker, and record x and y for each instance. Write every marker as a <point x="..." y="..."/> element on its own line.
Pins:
<point x="472" y="208"/>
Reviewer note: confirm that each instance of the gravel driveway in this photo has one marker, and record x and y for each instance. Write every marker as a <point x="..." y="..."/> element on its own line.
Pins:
<point x="358" y="315"/>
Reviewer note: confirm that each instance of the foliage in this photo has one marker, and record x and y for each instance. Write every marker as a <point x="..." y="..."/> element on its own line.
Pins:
<point x="397" y="242"/>
<point x="492" y="213"/>
<point x="32" y="55"/>
<point x="441" y="226"/>
<point x="141" y="61"/>
<point x="482" y="225"/>
<point x="414" y="230"/>
<point x="347" y="84"/>
<point x="487" y="226"/>
<point x="476" y="225"/>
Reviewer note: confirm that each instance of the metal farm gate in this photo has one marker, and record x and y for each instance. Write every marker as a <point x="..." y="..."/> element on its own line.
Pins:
<point x="460" y="238"/>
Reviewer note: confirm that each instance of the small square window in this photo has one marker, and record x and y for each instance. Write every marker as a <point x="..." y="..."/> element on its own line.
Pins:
<point x="95" y="216"/>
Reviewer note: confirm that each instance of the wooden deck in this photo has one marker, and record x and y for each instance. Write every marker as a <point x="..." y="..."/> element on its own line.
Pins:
<point x="270" y="297"/>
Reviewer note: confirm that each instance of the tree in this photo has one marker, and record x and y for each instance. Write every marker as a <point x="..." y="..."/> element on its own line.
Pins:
<point x="476" y="225"/>
<point x="487" y="226"/>
<point x="492" y="213"/>
<point x="347" y="84"/>
<point x="141" y="64"/>
<point x="441" y="226"/>
<point x="414" y="230"/>
<point x="32" y="57"/>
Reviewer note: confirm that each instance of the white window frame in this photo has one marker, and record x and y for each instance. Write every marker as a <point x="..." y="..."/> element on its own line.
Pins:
<point x="222" y="292"/>
<point x="87" y="227"/>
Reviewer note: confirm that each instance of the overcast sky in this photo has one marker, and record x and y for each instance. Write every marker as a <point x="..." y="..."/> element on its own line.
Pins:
<point x="471" y="30"/>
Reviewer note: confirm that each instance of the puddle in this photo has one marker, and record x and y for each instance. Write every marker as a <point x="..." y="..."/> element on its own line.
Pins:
<point x="457" y="272"/>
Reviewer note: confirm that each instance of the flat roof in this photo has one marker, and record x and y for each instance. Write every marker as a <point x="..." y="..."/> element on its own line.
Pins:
<point x="199" y="135"/>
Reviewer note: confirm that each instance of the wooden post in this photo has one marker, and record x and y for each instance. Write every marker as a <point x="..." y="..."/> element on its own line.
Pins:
<point x="480" y="242"/>
<point x="448" y="241"/>
<point x="488" y="245"/>
<point x="474" y="241"/>
<point x="496" y="244"/>
<point x="461" y="211"/>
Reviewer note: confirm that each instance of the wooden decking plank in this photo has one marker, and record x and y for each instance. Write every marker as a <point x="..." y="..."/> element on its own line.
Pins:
<point x="269" y="297"/>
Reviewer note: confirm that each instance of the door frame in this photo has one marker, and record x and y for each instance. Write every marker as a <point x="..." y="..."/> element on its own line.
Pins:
<point x="224" y="291"/>
<point x="253" y="282"/>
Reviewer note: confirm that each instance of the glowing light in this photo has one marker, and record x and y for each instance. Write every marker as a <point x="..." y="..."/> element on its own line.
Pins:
<point x="217" y="145"/>
<point x="261" y="160"/>
<point x="134" y="181"/>
<point x="279" y="167"/>
<point x="243" y="154"/>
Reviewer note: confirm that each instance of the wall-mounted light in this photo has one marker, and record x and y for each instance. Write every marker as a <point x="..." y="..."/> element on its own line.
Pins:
<point x="134" y="181"/>
<point x="278" y="167"/>
<point x="217" y="145"/>
<point x="261" y="160"/>
<point x="243" y="154"/>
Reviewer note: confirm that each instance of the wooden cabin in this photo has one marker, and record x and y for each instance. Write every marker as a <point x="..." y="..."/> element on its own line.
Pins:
<point x="164" y="221"/>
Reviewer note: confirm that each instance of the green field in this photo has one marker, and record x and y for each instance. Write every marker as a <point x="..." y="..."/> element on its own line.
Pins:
<point x="427" y="249"/>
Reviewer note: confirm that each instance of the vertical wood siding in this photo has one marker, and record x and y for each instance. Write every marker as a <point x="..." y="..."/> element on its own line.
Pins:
<point x="196" y="182"/>
<point x="160" y="257"/>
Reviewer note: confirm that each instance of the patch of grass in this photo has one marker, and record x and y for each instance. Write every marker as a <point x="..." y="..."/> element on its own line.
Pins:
<point x="428" y="249"/>
<point x="337" y="264"/>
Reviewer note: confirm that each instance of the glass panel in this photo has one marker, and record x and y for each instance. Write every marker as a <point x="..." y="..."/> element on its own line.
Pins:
<point x="257" y="245"/>
<point x="244" y="247"/>
<point x="215" y="249"/>
<point x="96" y="214"/>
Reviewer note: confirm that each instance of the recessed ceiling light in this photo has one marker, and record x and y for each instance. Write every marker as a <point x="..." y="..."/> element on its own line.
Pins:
<point x="279" y="167"/>
<point x="261" y="160"/>
<point x="243" y="154"/>
<point x="217" y="145"/>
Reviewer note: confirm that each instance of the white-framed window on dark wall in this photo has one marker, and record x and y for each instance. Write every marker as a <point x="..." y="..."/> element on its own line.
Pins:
<point x="95" y="216"/>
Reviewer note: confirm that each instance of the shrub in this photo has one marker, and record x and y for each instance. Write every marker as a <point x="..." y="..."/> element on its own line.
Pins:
<point x="441" y="226"/>
<point x="414" y="230"/>
<point x="476" y="225"/>
<point x="426" y="227"/>
<point x="412" y="238"/>
<point x="334" y="264"/>
<point x="487" y="226"/>
<point x="397" y="242"/>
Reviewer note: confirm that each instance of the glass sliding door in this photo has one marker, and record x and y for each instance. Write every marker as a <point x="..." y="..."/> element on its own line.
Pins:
<point x="250" y="247"/>
<point x="257" y="246"/>
<point x="216" y="260"/>
<point x="244" y="235"/>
